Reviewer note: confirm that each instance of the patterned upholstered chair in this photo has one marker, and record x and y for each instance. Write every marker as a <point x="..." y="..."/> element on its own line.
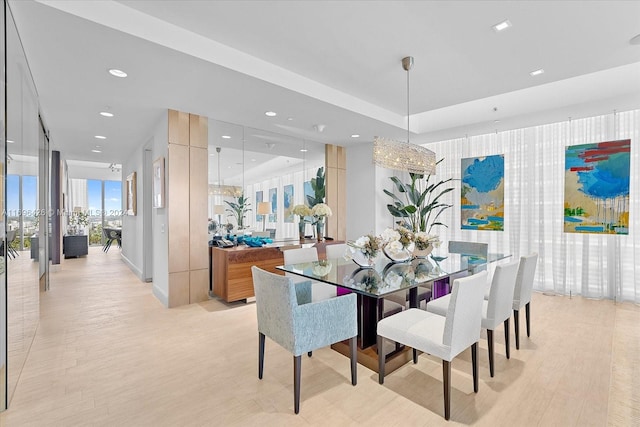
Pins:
<point x="287" y="316"/>
<point x="443" y="337"/>
<point x="495" y="310"/>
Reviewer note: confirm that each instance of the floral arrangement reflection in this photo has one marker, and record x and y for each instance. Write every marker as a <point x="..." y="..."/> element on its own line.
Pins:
<point x="322" y="268"/>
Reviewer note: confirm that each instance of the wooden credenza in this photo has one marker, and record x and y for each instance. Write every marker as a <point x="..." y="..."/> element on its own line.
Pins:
<point x="230" y="268"/>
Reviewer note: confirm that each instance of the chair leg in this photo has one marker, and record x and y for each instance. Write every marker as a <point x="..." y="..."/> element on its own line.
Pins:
<point x="354" y="360"/>
<point x="474" y="365"/>
<point x="380" y="360"/>
<point x="516" y="327"/>
<point x="446" y="384"/>
<point x="415" y="356"/>
<point x="297" y="363"/>
<point x="490" y="342"/>
<point x="260" y="354"/>
<point x="310" y="353"/>
<point x="506" y="336"/>
<point x="528" y="315"/>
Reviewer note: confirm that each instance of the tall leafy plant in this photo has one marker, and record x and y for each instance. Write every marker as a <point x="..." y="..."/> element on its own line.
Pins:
<point x="317" y="185"/>
<point x="239" y="209"/>
<point x="419" y="204"/>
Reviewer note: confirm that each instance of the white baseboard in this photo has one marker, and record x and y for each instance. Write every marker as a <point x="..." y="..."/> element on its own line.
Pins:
<point x="133" y="267"/>
<point x="162" y="297"/>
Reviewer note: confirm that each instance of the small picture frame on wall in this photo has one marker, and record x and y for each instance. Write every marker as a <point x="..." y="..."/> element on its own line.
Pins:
<point x="158" y="183"/>
<point x="131" y="194"/>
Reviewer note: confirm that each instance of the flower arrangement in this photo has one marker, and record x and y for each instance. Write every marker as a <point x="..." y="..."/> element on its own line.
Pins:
<point x="423" y="240"/>
<point x="369" y="245"/>
<point x="406" y="236"/>
<point x="321" y="210"/>
<point x="301" y="211"/>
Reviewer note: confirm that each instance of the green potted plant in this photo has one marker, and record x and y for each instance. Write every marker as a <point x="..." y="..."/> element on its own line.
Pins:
<point x="317" y="185"/>
<point x="421" y="207"/>
<point x="239" y="209"/>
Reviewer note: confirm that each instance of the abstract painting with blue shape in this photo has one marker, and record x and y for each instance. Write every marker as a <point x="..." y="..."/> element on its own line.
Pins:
<point x="482" y="193"/>
<point x="596" y="187"/>
<point x="273" y="199"/>
<point x="288" y="203"/>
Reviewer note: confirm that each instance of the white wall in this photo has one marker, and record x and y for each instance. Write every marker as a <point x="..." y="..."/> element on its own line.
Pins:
<point x="366" y="202"/>
<point x="159" y="219"/>
<point x="132" y="224"/>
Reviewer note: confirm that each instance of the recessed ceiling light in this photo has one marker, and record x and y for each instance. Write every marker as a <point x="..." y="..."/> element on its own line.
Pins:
<point x="10" y="141"/>
<point x="304" y="150"/>
<point x="355" y="135"/>
<point x="117" y="73"/>
<point x="106" y="114"/>
<point x="536" y="72"/>
<point x="226" y="137"/>
<point x="271" y="113"/>
<point x="289" y="118"/>
<point x="98" y="146"/>
<point x="496" y="121"/>
<point x="502" y="26"/>
<point x="100" y="137"/>
<point x="96" y="151"/>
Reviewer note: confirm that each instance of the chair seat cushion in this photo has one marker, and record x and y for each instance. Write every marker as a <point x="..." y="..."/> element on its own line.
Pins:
<point x="439" y="306"/>
<point x="418" y="329"/>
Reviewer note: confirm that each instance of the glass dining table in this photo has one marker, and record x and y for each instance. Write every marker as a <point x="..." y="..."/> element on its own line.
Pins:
<point x="372" y="284"/>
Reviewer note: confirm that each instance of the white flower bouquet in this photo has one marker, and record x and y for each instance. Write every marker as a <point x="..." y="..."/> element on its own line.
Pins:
<point x="321" y="210"/>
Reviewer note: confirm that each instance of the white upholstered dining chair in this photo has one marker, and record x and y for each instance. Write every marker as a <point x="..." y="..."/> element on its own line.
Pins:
<point x="522" y="293"/>
<point x="443" y="337"/>
<point x="495" y="310"/>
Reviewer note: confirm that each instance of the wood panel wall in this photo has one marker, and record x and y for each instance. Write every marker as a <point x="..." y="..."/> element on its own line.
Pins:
<point x="336" y="190"/>
<point x="187" y="184"/>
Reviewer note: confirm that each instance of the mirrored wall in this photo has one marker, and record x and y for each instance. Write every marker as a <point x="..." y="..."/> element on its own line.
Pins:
<point x="25" y="210"/>
<point x="264" y="167"/>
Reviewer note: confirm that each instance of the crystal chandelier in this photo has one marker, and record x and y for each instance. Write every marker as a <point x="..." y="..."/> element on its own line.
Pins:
<point x="404" y="156"/>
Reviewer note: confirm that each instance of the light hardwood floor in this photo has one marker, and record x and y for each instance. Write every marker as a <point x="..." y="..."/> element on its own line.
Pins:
<point x="107" y="353"/>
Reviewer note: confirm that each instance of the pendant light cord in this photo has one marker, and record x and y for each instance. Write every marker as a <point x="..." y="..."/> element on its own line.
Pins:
<point x="408" y="106"/>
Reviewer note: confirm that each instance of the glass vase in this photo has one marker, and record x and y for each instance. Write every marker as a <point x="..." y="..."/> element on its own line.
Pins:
<point x="301" y="227"/>
<point x="320" y="230"/>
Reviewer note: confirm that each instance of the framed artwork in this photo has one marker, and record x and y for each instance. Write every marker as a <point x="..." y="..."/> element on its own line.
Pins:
<point x="273" y="199"/>
<point x="308" y="191"/>
<point x="288" y="203"/>
<point x="258" y="200"/>
<point x="482" y="193"/>
<point x="158" y="183"/>
<point x="131" y="194"/>
<point x="596" y="187"/>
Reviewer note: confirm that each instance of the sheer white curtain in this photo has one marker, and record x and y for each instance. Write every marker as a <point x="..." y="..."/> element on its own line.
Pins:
<point x="597" y="266"/>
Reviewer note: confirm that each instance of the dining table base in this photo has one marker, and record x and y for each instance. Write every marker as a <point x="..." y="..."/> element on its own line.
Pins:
<point x="368" y="357"/>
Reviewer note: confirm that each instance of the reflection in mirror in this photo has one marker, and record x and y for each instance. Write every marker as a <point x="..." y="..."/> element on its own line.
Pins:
<point x="21" y="212"/>
<point x="271" y="168"/>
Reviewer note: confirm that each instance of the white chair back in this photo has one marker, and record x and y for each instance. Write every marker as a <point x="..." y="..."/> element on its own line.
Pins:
<point x="464" y="316"/>
<point x="524" y="280"/>
<point x="336" y="251"/>
<point x="295" y="256"/>
<point x="501" y="294"/>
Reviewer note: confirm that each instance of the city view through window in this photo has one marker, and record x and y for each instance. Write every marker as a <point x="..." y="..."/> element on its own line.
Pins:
<point x="104" y="209"/>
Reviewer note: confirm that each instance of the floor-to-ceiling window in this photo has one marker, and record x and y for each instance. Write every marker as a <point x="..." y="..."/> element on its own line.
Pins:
<point x="102" y="200"/>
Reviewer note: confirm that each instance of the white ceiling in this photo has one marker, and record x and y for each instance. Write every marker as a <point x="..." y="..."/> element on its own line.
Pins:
<point x="325" y="62"/>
